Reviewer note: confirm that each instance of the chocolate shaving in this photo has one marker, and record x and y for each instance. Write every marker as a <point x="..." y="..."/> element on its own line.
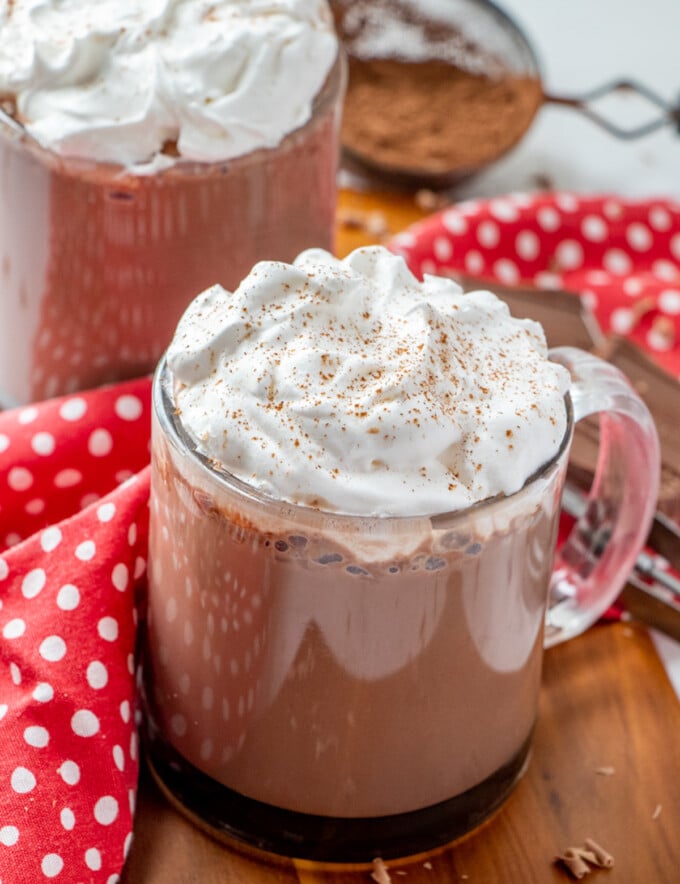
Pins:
<point x="380" y="874"/>
<point x="587" y="855"/>
<point x="657" y="812"/>
<point x="605" y="771"/>
<point x="429" y="201"/>
<point x="603" y="859"/>
<point x="579" y="859"/>
<point x="373" y="223"/>
<point x="573" y="861"/>
<point x="351" y="220"/>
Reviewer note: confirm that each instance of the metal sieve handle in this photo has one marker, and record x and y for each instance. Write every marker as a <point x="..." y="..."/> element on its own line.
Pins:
<point x="670" y="115"/>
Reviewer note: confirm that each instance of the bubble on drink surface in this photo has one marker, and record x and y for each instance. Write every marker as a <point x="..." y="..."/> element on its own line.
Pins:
<point x="329" y="559"/>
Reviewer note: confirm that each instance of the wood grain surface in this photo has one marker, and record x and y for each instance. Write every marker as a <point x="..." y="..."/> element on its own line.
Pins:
<point x="606" y="703"/>
<point x="365" y="218"/>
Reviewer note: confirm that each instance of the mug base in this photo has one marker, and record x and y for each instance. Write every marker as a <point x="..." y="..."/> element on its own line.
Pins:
<point x="229" y="816"/>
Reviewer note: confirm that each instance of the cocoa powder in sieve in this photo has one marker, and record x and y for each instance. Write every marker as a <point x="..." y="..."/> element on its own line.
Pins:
<point x="432" y="116"/>
<point x="424" y="94"/>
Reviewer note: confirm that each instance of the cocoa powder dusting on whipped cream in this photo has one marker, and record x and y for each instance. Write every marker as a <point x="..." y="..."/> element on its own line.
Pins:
<point x="351" y="386"/>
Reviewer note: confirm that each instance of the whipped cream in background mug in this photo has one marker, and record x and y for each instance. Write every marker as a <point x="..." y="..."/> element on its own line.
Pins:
<point x="168" y="145"/>
<point x="116" y="80"/>
<point x="356" y="483"/>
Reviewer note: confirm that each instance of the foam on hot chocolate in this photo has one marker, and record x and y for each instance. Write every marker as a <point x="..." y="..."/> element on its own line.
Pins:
<point x="116" y="80"/>
<point x="353" y="387"/>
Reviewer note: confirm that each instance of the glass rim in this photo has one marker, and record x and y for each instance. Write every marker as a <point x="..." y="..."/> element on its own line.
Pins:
<point x="165" y="410"/>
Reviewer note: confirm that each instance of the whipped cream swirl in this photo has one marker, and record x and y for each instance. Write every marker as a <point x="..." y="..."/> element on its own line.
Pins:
<point x="117" y="80"/>
<point x="352" y="387"/>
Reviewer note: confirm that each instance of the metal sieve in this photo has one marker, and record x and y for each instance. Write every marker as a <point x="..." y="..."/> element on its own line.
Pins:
<point x="470" y="35"/>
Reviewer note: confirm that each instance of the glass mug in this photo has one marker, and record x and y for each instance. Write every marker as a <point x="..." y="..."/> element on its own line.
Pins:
<point x="98" y="264"/>
<point x="337" y="688"/>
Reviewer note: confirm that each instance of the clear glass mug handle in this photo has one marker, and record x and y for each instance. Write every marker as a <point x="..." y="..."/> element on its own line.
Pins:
<point x="592" y="566"/>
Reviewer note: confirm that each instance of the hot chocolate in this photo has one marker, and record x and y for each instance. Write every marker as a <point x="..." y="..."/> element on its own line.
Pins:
<point x="329" y="641"/>
<point x="349" y="669"/>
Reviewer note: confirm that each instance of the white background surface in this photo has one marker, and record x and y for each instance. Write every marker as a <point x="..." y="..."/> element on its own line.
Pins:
<point x="582" y="44"/>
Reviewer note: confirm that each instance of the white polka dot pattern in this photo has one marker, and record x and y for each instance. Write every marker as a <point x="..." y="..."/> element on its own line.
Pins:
<point x="84" y="723"/>
<point x="97" y="675"/>
<point x="28" y="415"/>
<point x="68" y="597"/>
<point x="93" y="859"/>
<point x="83" y="535"/>
<point x="33" y="583"/>
<point x="68" y="478"/>
<point x="43" y="444"/>
<point x="70" y="773"/>
<point x="36" y="736"/>
<point x="67" y="819"/>
<point x="106" y="810"/>
<point x="9" y="835"/>
<point x="100" y="443"/>
<point x="86" y="550"/>
<point x="52" y="865"/>
<point x="50" y="539"/>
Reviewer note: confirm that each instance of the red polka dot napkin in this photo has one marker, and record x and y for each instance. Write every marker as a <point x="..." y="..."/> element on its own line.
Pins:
<point x="74" y="484"/>
<point x="73" y="532"/>
<point x="621" y="256"/>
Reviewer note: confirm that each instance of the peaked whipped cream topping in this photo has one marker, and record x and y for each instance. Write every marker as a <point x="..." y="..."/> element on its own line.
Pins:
<point x="352" y="387"/>
<point x="116" y="80"/>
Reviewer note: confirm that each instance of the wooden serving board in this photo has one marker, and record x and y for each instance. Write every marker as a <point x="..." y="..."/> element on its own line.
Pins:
<point x="606" y="703"/>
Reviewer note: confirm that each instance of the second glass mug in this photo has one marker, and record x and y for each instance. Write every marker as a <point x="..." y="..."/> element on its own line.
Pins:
<point x="337" y="688"/>
<point x="97" y="264"/>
